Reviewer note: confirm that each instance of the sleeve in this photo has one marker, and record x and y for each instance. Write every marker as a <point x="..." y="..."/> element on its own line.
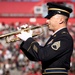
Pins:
<point x="28" y="54"/>
<point x="54" y="50"/>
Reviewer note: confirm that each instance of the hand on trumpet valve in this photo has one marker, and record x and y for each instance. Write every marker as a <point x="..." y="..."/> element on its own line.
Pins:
<point x="24" y="35"/>
<point x="22" y="27"/>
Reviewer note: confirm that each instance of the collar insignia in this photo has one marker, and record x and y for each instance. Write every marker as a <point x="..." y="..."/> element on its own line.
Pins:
<point x="50" y="41"/>
<point x="54" y="35"/>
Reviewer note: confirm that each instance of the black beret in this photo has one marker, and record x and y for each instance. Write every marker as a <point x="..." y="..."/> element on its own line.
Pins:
<point x="54" y="8"/>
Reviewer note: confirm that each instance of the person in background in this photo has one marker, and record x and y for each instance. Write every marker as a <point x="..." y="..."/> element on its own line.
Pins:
<point x="56" y="53"/>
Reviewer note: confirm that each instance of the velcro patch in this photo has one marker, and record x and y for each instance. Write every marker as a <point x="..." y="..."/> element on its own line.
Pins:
<point x="55" y="45"/>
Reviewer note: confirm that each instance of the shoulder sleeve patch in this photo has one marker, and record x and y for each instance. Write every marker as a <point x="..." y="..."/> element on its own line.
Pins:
<point x="55" y="45"/>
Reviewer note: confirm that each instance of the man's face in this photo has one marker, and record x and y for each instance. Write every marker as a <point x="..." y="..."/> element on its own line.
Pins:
<point x="53" y="22"/>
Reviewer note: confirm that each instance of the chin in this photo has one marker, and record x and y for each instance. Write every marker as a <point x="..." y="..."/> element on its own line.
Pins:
<point x="50" y="29"/>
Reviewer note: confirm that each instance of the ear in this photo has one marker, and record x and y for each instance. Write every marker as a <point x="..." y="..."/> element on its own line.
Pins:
<point x="61" y="21"/>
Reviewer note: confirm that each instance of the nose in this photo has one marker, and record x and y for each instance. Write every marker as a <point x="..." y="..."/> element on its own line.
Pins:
<point x="47" y="21"/>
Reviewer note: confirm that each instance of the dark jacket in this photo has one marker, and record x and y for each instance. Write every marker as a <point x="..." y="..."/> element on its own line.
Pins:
<point x="55" y="54"/>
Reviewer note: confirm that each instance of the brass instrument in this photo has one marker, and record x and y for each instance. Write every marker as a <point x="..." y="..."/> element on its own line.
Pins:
<point x="18" y="32"/>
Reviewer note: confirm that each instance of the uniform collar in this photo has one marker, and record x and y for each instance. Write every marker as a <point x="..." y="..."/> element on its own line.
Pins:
<point x="58" y="30"/>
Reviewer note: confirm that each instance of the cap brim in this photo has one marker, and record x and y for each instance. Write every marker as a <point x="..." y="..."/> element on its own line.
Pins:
<point x="48" y="16"/>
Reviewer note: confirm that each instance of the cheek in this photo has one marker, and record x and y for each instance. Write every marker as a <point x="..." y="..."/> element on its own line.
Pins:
<point x="54" y="22"/>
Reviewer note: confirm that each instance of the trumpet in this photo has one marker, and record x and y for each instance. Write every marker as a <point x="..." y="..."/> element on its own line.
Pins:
<point x="19" y="31"/>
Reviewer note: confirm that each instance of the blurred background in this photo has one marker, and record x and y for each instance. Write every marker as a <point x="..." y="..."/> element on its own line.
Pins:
<point x="13" y="14"/>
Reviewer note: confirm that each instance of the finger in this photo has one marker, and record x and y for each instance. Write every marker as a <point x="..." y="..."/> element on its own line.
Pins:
<point x="30" y="26"/>
<point x="18" y="35"/>
<point x="24" y="26"/>
<point x="31" y="32"/>
<point x="18" y="28"/>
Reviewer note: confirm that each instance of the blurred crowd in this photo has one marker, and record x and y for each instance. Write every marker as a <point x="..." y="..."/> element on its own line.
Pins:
<point x="11" y="57"/>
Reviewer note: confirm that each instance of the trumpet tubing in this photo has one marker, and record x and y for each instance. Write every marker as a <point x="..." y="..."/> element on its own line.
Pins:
<point x="18" y="32"/>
